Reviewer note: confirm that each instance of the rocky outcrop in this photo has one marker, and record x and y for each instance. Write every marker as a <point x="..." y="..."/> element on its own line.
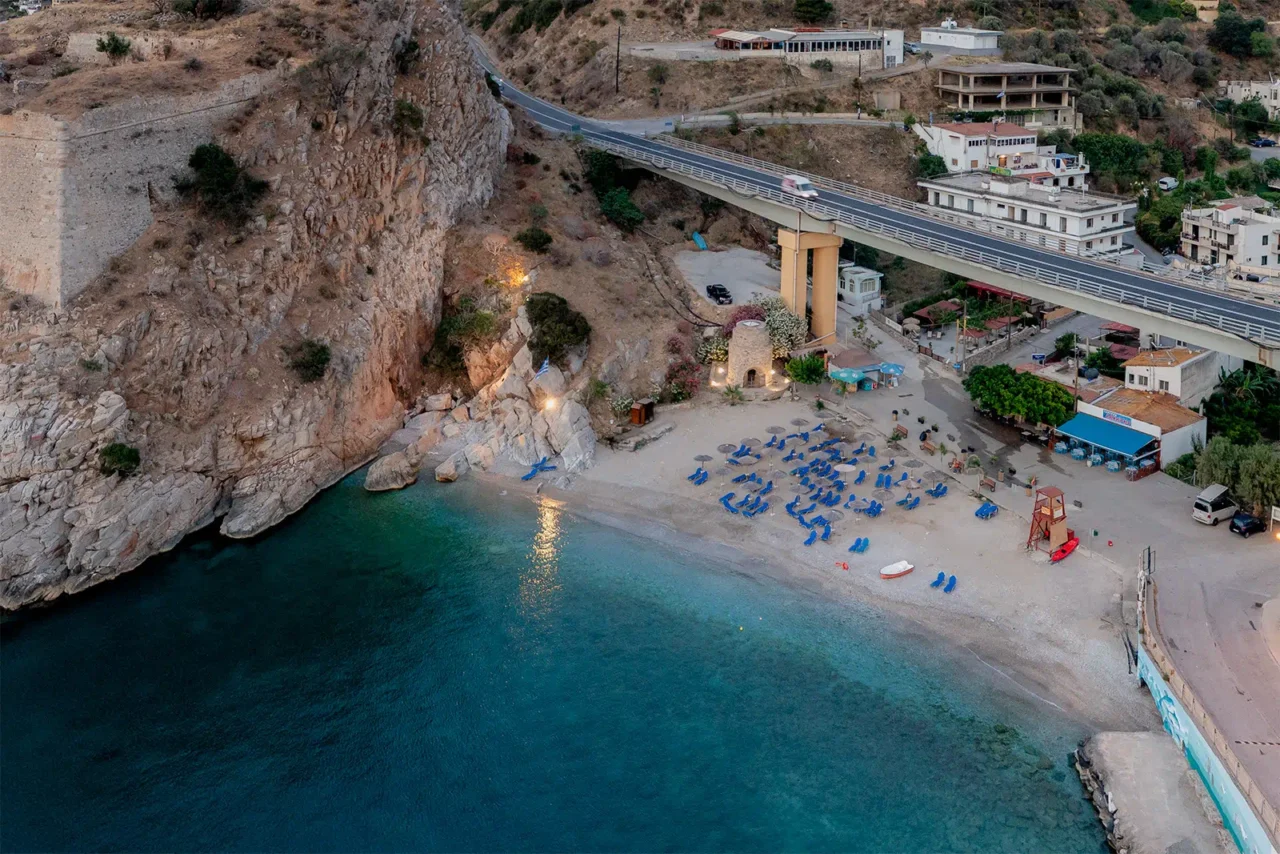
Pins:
<point x="186" y="358"/>
<point x="394" y="471"/>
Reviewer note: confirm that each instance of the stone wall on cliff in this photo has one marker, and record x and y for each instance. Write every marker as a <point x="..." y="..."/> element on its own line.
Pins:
<point x="185" y="357"/>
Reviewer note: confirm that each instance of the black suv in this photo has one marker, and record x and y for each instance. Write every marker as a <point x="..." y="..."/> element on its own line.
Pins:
<point x="1245" y="524"/>
<point x="719" y="295"/>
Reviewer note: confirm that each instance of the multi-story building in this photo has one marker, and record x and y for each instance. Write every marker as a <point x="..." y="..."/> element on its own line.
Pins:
<point x="866" y="48"/>
<point x="1064" y="220"/>
<point x="1240" y="234"/>
<point x="951" y="38"/>
<point x="1188" y="374"/>
<point x="1265" y="91"/>
<point x="1028" y="94"/>
<point x="1004" y="148"/>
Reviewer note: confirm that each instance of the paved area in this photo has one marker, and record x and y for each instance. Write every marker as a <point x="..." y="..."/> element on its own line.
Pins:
<point x="1261" y="154"/>
<point x="1211" y="584"/>
<point x="1160" y="803"/>
<point x="744" y="272"/>
<point x="1083" y="325"/>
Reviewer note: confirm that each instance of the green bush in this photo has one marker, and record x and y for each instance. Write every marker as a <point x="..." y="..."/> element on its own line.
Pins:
<point x="407" y="119"/>
<point x="601" y="170"/>
<point x="733" y="394"/>
<point x="461" y="325"/>
<point x="822" y="65"/>
<point x="713" y="350"/>
<point x="1026" y="397"/>
<point x="711" y="9"/>
<point x="309" y="359"/>
<point x="809" y="370"/>
<point x="930" y="166"/>
<point x="219" y="186"/>
<point x="786" y="330"/>
<point x="556" y="326"/>
<point x="534" y="239"/>
<point x="539" y="14"/>
<point x="206" y="10"/>
<point x="657" y="74"/>
<point x="683" y="379"/>
<point x="118" y="458"/>
<point x="1183" y="468"/>
<point x="1232" y="33"/>
<point x="617" y="207"/>
<point x="114" y="46"/>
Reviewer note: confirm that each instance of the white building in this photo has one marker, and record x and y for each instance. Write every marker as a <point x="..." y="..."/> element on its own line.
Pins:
<point x="30" y="7"/>
<point x="1004" y="148"/>
<point x="867" y="49"/>
<point x="858" y="290"/>
<point x="1266" y="91"/>
<point x="962" y="41"/>
<point x="1071" y="221"/>
<point x="1241" y="234"/>
<point x="1188" y="375"/>
<point x="1177" y="429"/>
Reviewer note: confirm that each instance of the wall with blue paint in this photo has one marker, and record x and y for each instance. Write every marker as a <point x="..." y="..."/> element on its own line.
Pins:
<point x="1237" y="817"/>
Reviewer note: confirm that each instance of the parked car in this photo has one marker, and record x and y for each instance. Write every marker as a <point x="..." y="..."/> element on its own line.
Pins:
<point x="798" y="186"/>
<point x="719" y="295"/>
<point x="1213" y="505"/>
<point x="1262" y="142"/>
<point x="912" y="47"/>
<point x="1246" y="524"/>
<point x="1166" y="183"/>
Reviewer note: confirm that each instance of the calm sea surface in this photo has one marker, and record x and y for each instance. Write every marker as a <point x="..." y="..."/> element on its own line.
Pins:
<point x="446" y="669"/>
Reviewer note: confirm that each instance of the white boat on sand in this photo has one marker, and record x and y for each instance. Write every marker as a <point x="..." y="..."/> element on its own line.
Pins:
<point x="896" y="570"/>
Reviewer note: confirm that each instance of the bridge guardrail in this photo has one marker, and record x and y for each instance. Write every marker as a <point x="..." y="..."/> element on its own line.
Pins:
<point x="1007" y="265"/>
<point x="981" y="225"/>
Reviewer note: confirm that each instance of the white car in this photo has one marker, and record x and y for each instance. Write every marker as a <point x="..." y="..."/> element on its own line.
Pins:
<point x="1167" y="184"/>
<point x="1213" y="505"/>
<point x="795" y="185"/>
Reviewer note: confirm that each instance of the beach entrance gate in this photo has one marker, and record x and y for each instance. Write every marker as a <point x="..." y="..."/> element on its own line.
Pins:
<point x="1048" y="520"/>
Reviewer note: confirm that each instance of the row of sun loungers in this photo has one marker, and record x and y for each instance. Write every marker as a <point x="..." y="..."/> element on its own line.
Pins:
<point x="860" y="545"/>
<point x="986" y="511"/>
<point x="941" y="580"/>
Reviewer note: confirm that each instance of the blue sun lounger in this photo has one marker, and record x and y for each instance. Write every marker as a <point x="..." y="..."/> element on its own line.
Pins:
<point x="986" y="511"/>
<point x="871" y="452"/>
<point x="768" y="487"/>
<point x="902" y="479"/>
<point x="772" y="443"/>
<point x="862" y="475"/>
<point x="904" y="501"/>
<point x="914" y="503"/>
<point x="739" y="479"/>
<point x="813" y="535"/>
<point x="804" y="523"/>
<point x="809" y="509"/>
<point x="826" y="533"/>
<point x="951" y="585"/>
<point x="702" y="478"/>
<point x="856" y="544"/>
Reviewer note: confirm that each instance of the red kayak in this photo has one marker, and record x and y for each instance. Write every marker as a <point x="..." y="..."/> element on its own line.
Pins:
<point x="1063" y="550"/>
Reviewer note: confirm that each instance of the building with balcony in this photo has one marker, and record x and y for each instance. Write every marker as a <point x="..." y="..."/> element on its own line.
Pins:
<point x="858" y="290"/>
<point x="950" y="38"/>
<point x="868" y="49"/>
<point x="1189" y="374"/>
<point x="1239" y="234"/>
<point x="1265" y="91"/>
<point x="1063" y="220"/>
<point x="1030" y="95"/>
<point x="1004" y="148"/>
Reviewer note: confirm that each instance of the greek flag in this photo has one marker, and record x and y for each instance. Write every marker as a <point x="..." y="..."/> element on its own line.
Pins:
<point x="546" y="366"/>
<point x="1001" y="95"/>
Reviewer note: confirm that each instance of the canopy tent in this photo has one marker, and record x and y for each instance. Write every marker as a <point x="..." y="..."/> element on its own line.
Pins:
<point x="846" y="375"/>
<point x="1106" y="435"/>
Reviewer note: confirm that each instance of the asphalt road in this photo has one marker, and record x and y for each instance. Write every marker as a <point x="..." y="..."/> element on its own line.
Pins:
<point x="1212" y="308"/>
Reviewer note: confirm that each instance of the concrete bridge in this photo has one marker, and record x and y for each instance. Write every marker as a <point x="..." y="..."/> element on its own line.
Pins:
<point x="1189" y="308"/>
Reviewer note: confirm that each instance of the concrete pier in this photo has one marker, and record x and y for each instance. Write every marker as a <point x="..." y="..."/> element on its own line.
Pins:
<point x="1147" y="797"/>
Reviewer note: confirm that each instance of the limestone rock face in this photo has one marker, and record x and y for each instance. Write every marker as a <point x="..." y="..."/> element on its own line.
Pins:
<point x="393" y="471"/>
<point x="184" y="361"/>
<point x="565" y="421"/>
<point x="580" y="451"/>
<point x="439" y="402"/>
<point x="550" y="384"/>
<point x="452" y="469"/>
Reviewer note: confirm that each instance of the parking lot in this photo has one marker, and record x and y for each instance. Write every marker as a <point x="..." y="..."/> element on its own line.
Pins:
<point x="745" y="272"/>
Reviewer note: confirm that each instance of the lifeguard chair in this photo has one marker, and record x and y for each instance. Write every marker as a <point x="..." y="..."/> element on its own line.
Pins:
<point x="1048" y="520"/>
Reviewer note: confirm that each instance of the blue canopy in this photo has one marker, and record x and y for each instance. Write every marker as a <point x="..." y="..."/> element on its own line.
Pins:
<point x="1104" y="434"/>
<point x="889" y="369"/>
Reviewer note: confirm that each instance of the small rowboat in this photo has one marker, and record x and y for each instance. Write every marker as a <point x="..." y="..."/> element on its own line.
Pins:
<point x="1065" y="549"/>
<point x="896" y="570"/>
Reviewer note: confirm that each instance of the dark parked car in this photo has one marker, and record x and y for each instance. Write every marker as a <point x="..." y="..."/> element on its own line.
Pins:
<point x="719" y="295"/>
<point x="1262" y="142"/>
<point x="1246" y="524"/>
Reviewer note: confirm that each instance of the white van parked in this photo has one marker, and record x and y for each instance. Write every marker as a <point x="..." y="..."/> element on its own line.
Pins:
<point x="1168" y="184"/>
<point x="1213" y="505"/>
<point x="799" y="186"/>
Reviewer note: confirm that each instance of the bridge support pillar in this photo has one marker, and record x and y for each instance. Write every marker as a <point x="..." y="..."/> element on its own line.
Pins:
<point x="796" y="272"/>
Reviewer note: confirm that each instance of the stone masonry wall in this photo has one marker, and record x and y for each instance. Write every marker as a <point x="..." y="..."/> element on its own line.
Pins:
<point x="94" y="179"/>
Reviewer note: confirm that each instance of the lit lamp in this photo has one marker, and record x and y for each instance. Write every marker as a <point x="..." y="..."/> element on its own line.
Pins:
<point x="549" y="404"/>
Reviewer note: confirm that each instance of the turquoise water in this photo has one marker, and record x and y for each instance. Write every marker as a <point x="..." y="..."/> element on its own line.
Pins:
<point x="447" y="669"/>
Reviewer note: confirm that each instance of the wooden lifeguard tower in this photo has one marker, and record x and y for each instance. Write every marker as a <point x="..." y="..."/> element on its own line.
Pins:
<point x="1048" y="520"/>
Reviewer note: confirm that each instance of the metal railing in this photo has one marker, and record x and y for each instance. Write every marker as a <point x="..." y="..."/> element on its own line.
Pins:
<point x="990" y="260"/>
<point x="1186" y="277"/>
<point x="1153" y="640"/>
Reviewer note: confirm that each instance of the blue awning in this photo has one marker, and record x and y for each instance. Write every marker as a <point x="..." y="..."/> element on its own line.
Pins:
<point x="846" y="375"/>
<point x="1104" y="434"/>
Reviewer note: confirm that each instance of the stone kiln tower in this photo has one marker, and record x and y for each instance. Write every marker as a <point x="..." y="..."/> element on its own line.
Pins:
<point x="750" y="355"/>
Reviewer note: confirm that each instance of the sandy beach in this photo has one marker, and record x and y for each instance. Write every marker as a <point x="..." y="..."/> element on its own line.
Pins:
<point x="1050" y="635"/>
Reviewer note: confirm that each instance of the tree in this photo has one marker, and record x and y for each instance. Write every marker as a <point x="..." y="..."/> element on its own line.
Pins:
<point x="1065" y="345"/>
<point x="220" y="187"/>
<point x="657" y="74"/>
<point x="809" y="370"/>
<point x="119" y="458"/>
<point x="930" y="166"/>
<point x="555" y="326"/>
<point x="1245" y="406"/>
<point x="617" y="207"/>
<point x="926" y="57"/>
<point x="1105" y="362"/>
<point x="1250" y="117"/>
<point x="115" y="47"/>
<point x="1258" y="478"/>
<point x="1206" y="160"/>
<point x="1261" y="44"/>
<point x="812" y="11"/>
<point x="1233" y="34"/>
<point x="535" y="239"/>
<point x="1026" y="397"/>
<point x="1218" y="463"/>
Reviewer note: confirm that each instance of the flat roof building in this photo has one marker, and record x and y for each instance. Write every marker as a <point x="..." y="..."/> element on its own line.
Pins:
<point x="964" y="41"/>
<point x="869" y="48"/>
<point x="1024" y="92"/>
<point x="1265" y="91"/>
<point x="1004" y="148"/>
<point x="1241" y="234"/>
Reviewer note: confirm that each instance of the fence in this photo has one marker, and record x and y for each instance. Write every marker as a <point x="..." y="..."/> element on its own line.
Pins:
<point x="1263" y="810"/>
<point x="1098" y="287"/>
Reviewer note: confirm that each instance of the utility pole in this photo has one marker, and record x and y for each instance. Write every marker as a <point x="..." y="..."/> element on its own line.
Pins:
<point x="617" y="61"/>
<point x="960" y="337"/>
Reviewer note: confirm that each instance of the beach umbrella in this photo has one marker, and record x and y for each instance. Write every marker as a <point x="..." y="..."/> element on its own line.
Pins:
<point x="912" y="464"/>
<point x="799" y="422"/>
<point x="846" y="467"/>
<point x="726" y="448"/>
<point x="846" y="375"/>
<point x="833" y="515"/>
<point x="891" y="369"/>
<point x="884" y="495"/>
<point x="752" y="442"/>
<point x="775" y="430"/>
<point x="702" y="458"/>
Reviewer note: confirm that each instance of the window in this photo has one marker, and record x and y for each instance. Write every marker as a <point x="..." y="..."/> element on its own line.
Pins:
<point x="1142" y="380"/>
<point x="970" y="204"/>
<point x="1023" y="214"/>
<point x="1044" y="220"/>
<point x="973" y="164"/>
<point x="1114" y="239"/>
<point x="1071" y="181"/>
<point x="1088" y="223"/>
<point x="951" y="201"/>
<point x="1088" y="244"/>
<point x="1264" y="239"/>
<point x="955" y="162"/>
<point x="937" y="197"/>
<point x="1264" y="260"/>
<point x="1115" y="217"/>
<point x="1132" y="378"/>
<point x="869" y="286"/>
<point x="1164" y="385"/>
<point x="1062" y="224"/>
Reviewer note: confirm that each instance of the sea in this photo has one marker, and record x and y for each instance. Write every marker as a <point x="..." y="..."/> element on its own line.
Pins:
<point x="449" y="668"/>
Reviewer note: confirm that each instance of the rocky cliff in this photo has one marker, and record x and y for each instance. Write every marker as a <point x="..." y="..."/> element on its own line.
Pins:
<point x="181" y="351"/>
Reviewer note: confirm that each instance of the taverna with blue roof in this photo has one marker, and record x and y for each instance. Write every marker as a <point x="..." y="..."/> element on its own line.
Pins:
<point x="1137" y="432"/>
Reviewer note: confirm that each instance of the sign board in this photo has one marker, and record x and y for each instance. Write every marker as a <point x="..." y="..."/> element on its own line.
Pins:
<point x="1000" y="170"/>
<point x="1117" y="418"/>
